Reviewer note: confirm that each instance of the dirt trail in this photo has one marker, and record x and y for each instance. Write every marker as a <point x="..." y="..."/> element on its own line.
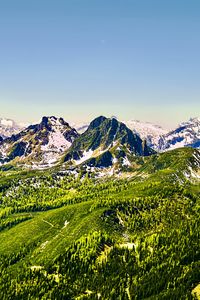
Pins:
<point x="48" y="223"/>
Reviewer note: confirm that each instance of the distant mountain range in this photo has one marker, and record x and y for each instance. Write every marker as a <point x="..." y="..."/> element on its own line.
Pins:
<point x="104" y="142"/>
<point x="187" y="134"/>
<point x="9" y="127"/>
<point x="147" y="130"/>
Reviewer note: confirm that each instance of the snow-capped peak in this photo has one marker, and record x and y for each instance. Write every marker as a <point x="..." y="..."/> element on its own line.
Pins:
<point x="191" y="122"/>
<point x="187" y="134"/>
<point x="42" y="144"/>
<point x="9" y="127"/>
<point x="146" y="130"/>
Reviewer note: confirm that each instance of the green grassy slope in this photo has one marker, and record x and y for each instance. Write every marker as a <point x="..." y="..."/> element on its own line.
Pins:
<point x="68" y="237"/>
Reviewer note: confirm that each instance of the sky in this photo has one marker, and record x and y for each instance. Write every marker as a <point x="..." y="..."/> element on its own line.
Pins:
<point x="135" y="59"/>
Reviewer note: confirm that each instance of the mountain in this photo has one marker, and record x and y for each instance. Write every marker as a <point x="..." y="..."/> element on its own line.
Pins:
<point x="187" y="134"/>
<point x="180" y="165"/>
<point x="40" y="144"/>
<point x="146" y="130"/>
<point x="9" y="127"/>
<point x="106" y="142"/>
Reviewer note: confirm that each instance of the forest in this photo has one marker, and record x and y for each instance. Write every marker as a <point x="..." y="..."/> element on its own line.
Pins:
<point x="74" y="235"/>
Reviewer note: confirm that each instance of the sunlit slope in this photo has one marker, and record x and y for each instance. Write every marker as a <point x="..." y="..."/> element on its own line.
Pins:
<point x="133" y="235"/>
<point x="49" y="233"/>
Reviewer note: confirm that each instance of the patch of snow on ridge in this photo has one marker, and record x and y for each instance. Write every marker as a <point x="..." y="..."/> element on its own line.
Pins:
<point x="57" y="144"/>
<point x="126" y="162"/>
<point x="193" y="173"/>
<point x="43" y="245"/>
<point x="193" y="168"/>
<point x="86" y="155"/>
<point x="114" y="160"/>
<point x="65" y="224"/>
<point x="196" y="155"/>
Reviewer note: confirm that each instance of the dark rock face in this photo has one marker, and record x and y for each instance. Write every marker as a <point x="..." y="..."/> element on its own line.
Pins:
<point x="103" y="161"/>
<point x="96" y="122"/>
<point x="146" y="150"/>
<point x="195" y="144"/>
<point x="18" y="150"/>
<point x="70" y="135"/>
<point x="120" y="154"/>
<point x="76" y="155"/>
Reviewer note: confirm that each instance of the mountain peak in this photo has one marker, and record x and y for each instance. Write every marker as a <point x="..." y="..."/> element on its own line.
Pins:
<point x="41" y="144"/>
<point x="105" y="142"/>
<point x="53" y="121"/>
<point x="9" y="127"/>
<point x="97" y="122"/>
<point x="187" y="134"/>
<point x="191" y="122"/>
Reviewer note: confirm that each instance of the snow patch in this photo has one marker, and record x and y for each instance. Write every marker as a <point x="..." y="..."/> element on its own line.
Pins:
<point x="126" y="162"/>
<point x="114" y="160"/>
<point x="86" y="155"/>
<point x="65" y="224"/>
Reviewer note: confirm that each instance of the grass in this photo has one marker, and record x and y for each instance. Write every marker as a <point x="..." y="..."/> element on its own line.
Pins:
<point x="140" y="227"/>
<point x="49" y="226"/>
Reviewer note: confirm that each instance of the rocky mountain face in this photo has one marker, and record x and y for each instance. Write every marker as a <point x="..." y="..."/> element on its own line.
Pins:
<point x="187" y="134"/>
<point x="8" y="127"/>
<point x="106" y="142"/>
<point x="40" y="144"/>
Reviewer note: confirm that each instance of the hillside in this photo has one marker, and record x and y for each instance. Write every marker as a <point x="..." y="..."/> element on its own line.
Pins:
<point x="66" y="235"/>
<point x="39" y="145"/>
<point x="105" y="142"/>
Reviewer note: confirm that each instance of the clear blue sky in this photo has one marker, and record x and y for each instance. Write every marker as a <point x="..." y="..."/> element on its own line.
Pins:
<point x="82" y="58"/>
